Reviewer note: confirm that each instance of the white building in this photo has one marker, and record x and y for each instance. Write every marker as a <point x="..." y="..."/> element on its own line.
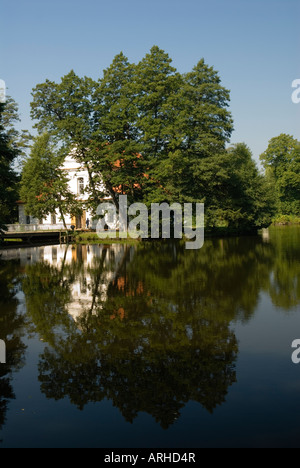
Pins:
<point x="78" y="181"/>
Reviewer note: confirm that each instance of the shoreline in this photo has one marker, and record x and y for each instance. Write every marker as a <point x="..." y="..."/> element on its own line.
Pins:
<point x="91" y="238"/>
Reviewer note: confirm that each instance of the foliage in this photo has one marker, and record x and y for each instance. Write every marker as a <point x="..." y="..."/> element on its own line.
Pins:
<point x="282" y="161"/>
<point x="44" y="187"/>
<point x="250" y="200"/>
<point x="9" y="151"/>
<point x="154" y="134"/>
<point x="284" y="220"/>
<point x="12" y="324"/>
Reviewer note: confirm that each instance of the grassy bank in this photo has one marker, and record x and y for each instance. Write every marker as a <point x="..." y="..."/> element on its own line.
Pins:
<point x="285" y="220"/>
<point x="92" y="238"/>
<point x="86" y="238"/>
<point x="10" y="241"/>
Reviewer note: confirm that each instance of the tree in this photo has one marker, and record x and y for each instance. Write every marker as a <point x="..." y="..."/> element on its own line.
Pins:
<point x="282" y="163"/>
<point x="155" y="81"/>
<point x="98" y="119"/>
<point x="115" y="147"/>
<point x="44" y="186"/>
<point x="19" y="141"/>
<point x="8" y="177"/>
<point x="199" y="127"/>
<point x="250" y="201"/>
<point x="66" y="111"/>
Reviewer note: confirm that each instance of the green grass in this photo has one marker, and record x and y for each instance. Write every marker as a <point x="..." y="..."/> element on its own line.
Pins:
<point x="12" y="240"/>
<point x="86" y="238"/>
<point x="92" y="238"/>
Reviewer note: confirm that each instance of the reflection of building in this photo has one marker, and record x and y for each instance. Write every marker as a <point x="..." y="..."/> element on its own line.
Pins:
<point x="90" y="270"/>
<point x="266" y="235"/>
<point x="78" y="181"/>
<point x="85" y="289"/>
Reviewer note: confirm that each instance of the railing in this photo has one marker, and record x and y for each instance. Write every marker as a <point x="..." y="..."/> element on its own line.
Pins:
<point x="35" y="227"/>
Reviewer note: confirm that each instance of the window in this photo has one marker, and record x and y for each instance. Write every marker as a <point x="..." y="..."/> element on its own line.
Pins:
<point x="80" y="186"/>
<point x="53" y="219"/>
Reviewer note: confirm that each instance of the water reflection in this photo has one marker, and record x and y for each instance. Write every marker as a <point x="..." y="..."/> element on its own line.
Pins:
<point x="12" y="324"/>
<point x="150" y="327"/>
<point x="121" y="329"/>
<point x="284" y="285"/>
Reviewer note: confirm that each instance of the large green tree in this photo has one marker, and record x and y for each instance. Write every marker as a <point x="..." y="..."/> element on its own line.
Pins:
<point x="9" y="151"/>
<point x="282" y="163"/>
<point x="196" y="125"/>
<point x="249" y="199"/>
<point x="44" y="186"/>
<point x="116" y="151"/>
<point x="66" y="111"/>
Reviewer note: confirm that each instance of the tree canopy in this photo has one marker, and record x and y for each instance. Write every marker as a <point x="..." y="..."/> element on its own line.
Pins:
<point x="10" y="149"/>
<point x="282" y="163"/>
<point x="156" y="135"/>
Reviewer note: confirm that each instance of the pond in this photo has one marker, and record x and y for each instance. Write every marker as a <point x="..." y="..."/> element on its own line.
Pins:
<point x="151" y="345"/>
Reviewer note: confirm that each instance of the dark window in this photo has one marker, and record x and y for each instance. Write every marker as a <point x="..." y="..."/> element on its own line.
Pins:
<point x="80" y="186"/>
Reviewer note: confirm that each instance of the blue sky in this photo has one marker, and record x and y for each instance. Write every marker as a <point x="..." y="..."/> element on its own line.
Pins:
<point x="254" y="44"/>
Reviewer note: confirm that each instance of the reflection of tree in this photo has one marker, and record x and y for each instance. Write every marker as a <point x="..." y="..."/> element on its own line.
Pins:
<point x="224" y="278"/>
<point x="160" y="335"/>
<point x="11" y="326"/>
<point x="155" y="380"/>
<point x="47" y="291"/>
<point x="285" y="280"/>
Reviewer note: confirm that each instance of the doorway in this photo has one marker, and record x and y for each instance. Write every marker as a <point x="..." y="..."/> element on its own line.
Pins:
<point x="79" y="221"/>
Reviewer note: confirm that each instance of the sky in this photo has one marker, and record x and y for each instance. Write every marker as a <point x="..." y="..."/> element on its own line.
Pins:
<point x="253" y="44"/>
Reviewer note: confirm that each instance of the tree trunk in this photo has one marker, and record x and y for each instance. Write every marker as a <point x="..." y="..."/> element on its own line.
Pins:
<point x="63" y="217"/>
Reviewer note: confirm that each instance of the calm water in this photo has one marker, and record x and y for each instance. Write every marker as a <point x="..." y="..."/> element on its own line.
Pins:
<point x="151" y="345"/>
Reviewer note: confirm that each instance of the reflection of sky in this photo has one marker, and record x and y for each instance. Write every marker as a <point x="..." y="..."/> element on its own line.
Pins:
<point x="274" y="330"/>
